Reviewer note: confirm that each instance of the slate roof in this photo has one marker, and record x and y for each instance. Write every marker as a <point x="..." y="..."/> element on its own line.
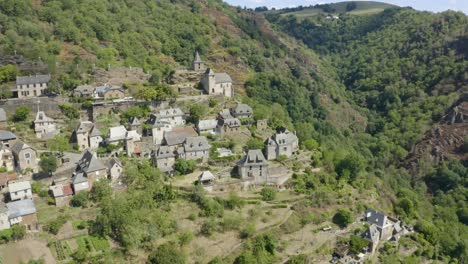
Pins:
<point x="19" y="186"/>
<point x="225" y="114"/>
<point x="84" y="127"/>
<point x="282" y="137"/>
<point x="222" y="78"/>
<point x="196" y="144"/>
<point x="21" y="208"/>
<point x="42" y="117"/>
<point x="133" y="135"/>
<point x="206" y="176"/>
<point x="241" y="109"/>
<point x="134" y="121"/>
<point x="114" y="161"/>
<point x="164" y="152"/>
<point x="372" y="233"/>
<point x="209" y="71"/>
<point x="207" y="124"/>
<point x="178" y="135"/>
<point x="89" y="163"/>
<point x="253" y="157"/>
<point x="3" y="117"/>
<point x="19" y="146"/>
<point x="95" y="132"/>
<point x="117" y="133"/>
<point x="170" y="112"/>
<point x="231" y="122"/>
<point x="377" y="218"/>
<point x="197" y="58"/>
<point x="20" y="80"/>
<point x="6" y="135"/>
<point x="79" y="178"/>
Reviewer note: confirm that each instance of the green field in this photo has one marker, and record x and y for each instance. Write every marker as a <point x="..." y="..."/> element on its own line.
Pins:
<point x="362" y="8"/>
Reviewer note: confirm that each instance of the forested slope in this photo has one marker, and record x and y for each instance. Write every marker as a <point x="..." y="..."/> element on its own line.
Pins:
<point x="405" y="69"/>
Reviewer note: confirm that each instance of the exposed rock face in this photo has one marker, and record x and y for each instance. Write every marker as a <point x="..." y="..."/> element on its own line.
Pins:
<point x="445" y="139"/>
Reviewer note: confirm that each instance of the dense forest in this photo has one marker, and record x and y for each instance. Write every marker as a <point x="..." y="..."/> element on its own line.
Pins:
<point x="404" y="69"/>
<point x="361" y="91"/>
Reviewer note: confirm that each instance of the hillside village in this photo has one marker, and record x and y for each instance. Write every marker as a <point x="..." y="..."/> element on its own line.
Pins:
<point x="223" y="150"/>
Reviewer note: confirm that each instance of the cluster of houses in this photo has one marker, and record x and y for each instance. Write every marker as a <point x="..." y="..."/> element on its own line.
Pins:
<point x="20" y="209"/>
<point x="104" y="92"/>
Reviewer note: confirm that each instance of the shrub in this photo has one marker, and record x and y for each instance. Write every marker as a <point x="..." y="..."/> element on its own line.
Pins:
<point x="185" y="238"/>
<point x="167" y="254"/>
<point x="209" y="227"/>
<point x="254" y="143"/>
<point x="54" y="226"/>
<point x="185" y="166"/>
<point x="268" y="194"/>
<point x="357" y="244"/>
<point x="80" y="199"/>
<point x="248" y="231"/>
<point x="343" y="218"/>
<point x="21" y="113"/>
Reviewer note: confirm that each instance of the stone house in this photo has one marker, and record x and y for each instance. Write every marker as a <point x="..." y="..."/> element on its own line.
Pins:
<point x="4" y="221"/>
<point x="253" y="166"/>
<point x="175" y="138"/>
<point x="224" y="114"/>
<point x="62" y="194"/>
<point x="206" y="178"/>
<point x="195" y="148"/>
<point x="372" y="234"/>
<point x="174" y="116"/>
<point x="207" y="126"/>
<point x="3" y="119"/>
<point x="88" y="136"/>
<point x="135" y="124"/>
<point x="283" y="142"/>
<point x="80" y="183"/>
<point x="132" y="144"/>
<point x="158" y="128"/>
<point x="229" y="126"/>
<point x="25" y="157"/>
<point x="116" y="135"/>
<point x="114" y="93"/>
<point x="23" y="212"/>
<point x="108" y="92"/>
<point x="7" y="160"/>
<point x="115" y="169"/>
<point x="217" y="83"/>
<point x="44" y="126"/>
<point x="197" y="64"/>
<point x="6" y="138"/>
<point x="164" y="159"/>
<point x="242" y="111"/>
<point x="6" y="178"/>
<point x="382" y="222"/>
<point x="91" y="168"/>
<point x="31" y="86"/>
<point x="20" y="190"/>
<point x="84" y="91"/>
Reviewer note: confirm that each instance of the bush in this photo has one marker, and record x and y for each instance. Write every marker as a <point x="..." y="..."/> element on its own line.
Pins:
<point x="310" y="144"/>
<point x="69" y="110"/>
<point x="54" y="226"/>
<point x="343" y="218"/>
<point x="212" y="102"/>
<point x="167" y="254"/>
<point x="254" y="143"/>
<point x="357" y="244"/>
<point x="209" y="227"/>
<point x="80" y="199"/>
<point x="268" y="194"/>
<point x="248" y="231"/>
<point x="185" y="166"/>
<point x="21" y="113"/>
<point x="185" y="238"/>
<point x="234" y="201"/>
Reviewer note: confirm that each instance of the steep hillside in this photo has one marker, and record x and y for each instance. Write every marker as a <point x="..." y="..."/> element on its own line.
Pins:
<point x="406" y="70"/>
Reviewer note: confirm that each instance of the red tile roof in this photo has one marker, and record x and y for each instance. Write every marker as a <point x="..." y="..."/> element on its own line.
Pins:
<point x="67" y="190"/>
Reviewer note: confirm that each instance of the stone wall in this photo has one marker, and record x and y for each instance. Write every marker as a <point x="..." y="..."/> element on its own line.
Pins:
<point x="50" y="105"/>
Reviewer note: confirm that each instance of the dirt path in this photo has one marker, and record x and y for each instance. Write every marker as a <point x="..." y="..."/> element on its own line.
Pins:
<point x="25" y="250"/>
